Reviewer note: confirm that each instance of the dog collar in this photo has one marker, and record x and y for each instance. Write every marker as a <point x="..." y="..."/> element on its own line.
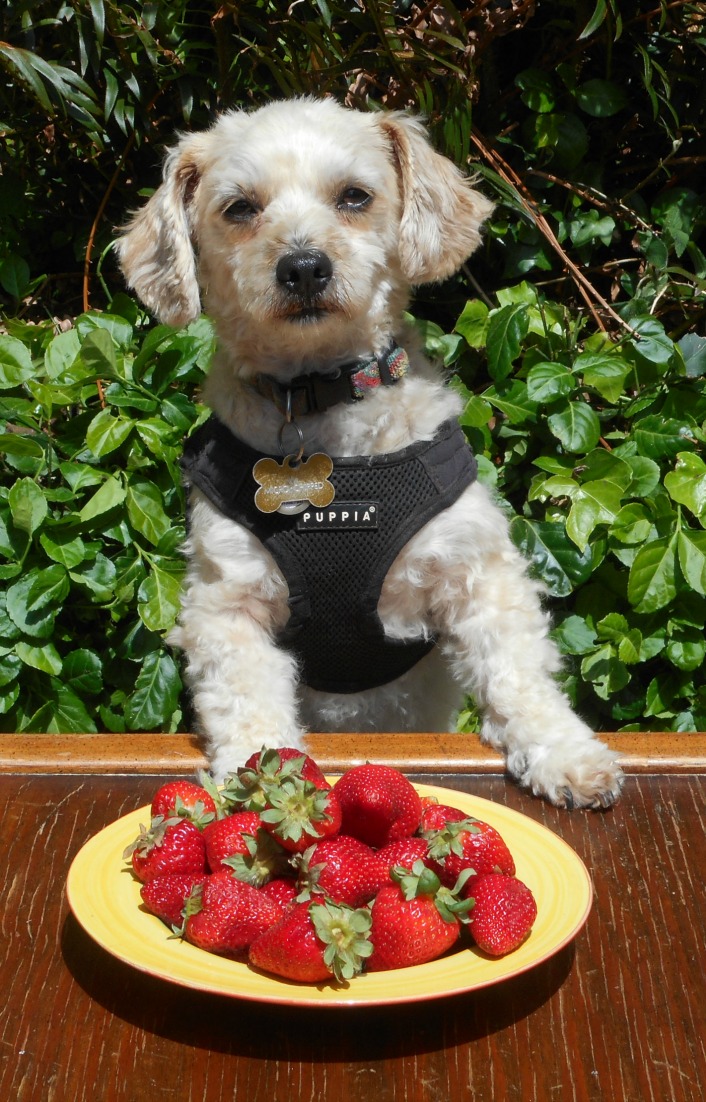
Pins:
<point x="317" y="392"/>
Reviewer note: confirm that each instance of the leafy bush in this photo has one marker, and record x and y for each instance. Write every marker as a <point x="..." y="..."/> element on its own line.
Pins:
<point x="575" y="336"/>
<point x="91" y="519"/>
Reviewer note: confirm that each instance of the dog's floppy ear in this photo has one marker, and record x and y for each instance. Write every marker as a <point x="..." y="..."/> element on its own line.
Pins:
<point x="441" y="213"/>
<point x="156" y="252"/>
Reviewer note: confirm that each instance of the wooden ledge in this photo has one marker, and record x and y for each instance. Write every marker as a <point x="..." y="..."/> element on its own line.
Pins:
<point x="419" y="753"/>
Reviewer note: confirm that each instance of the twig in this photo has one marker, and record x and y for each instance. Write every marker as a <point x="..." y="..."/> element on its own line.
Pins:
<point x="584" y="285"/>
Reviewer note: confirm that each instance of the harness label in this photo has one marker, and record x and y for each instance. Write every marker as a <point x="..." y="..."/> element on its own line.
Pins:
<point x="340" y="514"/>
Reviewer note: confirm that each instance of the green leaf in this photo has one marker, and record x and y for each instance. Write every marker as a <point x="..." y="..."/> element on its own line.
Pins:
<point x="512" y="400"/>
<point x="605" y="671"/>
<point x="654" y="345"/>
<point x="98" y="353"/>
<point x="111" y="494"/>
<point x="601" y="98"/>
<point x="547" y="381"/>
<point x="44" y="657"/>
<point x="693" y="350"/>
<point x="560" y="566"/>
<point x="652" y="582"/>
<point x="156" y="693"/>
<point x="145" y="508"/>
<point x="63" y="546"/>
<point x="83" y="672"/>
<point x="15" y="363"/>
<point x="645" y="475"/>
<point x="26" y="607"/>
<point x="576" y="427"/>
<point x="20" y="445"/>
<point x="106" y="432"/>
<point x="506" y="328"/>
<point x="574" y="635"/>
<point x="28" y="505"/>
<point x="159" y="600"/>
<point x="68" y="713"/>
<point x="691" y="550"/>
<point x="477" y="413"/>
<point x="687" y="483"/>
<point x="604" y="373"/>
<point x="595" y="503"/>
<point x="662" y="437"/>
<point x="61" y="354"/>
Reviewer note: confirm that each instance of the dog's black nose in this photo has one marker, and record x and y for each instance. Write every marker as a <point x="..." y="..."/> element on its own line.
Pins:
<point x="304" y="273"/>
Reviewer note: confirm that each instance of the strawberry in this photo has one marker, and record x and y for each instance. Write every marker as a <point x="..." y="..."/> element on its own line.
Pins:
<point x="503" y="913"/>
<point x="378" y="804"/>
<point x="240" y="843"/>
<point x="469" y="844"/>
<point x="170" y="845"/>
<point x="299" y="814"/>
<point x="247" y="789"/>
<point x="184" y="799"/>
<point x="414" y="919"/>
<point x="435" y="816"/>
<point x="224" y="914"/>
<point x="313" y="942"/>
<point x="282" y="889"/>
<point x="405" y="852"/>
<point x="166" y="896"/>
<point x="342" y="868"/>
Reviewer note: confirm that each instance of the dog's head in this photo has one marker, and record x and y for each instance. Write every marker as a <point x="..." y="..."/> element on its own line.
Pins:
<point x="304" y="225"/>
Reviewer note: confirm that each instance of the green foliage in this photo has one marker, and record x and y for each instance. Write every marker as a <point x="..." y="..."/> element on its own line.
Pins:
<point x="597" y="447"/>
<point x="575" y="338"/>
<point x="92" y="518"/>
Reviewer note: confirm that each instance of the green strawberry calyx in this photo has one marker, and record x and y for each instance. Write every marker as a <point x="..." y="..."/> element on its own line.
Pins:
<point x="295" y="807"/>
<point x="250" y="789"/>
<point x="264" y="860"/>
<point x="420" y="880"/>
<point x="345" y="932"/>
<point x="447" y="840"/>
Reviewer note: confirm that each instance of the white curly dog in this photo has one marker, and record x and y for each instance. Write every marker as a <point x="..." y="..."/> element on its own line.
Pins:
<point x="304" y="225"/>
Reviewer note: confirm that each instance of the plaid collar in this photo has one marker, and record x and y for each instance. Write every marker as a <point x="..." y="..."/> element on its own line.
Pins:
<point x="315" y="393"/>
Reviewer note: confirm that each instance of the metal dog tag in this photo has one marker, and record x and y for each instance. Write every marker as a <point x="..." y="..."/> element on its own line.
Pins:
<point x="290" y="486"/>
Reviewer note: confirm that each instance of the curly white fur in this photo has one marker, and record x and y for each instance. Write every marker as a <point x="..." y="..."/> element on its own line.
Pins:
<point x="290" y="167"/>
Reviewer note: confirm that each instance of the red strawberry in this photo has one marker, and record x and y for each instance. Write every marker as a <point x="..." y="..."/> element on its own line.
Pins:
<point x="282" y="889"/>
<point x="342" y="868"/>
<point x="240" y="843"/>
<point x="414" y="919"/>
<point x="469" y="844"/>
<point x="435" y="816"/>
<point x="166" y="896"/>
<point x="186" y="800"/>
<point x="503" y="912"/>
<point x="247" y="789"/>
<point x="170" y="845"/>
<point x="299" y="814"/>
<point x="405" y="852"/>
<point x="313" y="942"/>
<point x="224" y="914"/>
<point x="379" y="805"/>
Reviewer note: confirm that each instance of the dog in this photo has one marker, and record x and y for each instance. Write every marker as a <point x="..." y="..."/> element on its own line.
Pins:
<point x="304" y="225"/>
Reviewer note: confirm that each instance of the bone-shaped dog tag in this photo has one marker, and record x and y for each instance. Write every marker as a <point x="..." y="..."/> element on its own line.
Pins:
<point x="288" y="487"/>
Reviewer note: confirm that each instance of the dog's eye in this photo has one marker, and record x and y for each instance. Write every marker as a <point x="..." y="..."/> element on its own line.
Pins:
<point x="354" y="198"/>
<point x="240" y="211"/>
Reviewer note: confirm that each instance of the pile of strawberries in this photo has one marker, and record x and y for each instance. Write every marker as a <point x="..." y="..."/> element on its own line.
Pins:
<point x="309" y="881"/>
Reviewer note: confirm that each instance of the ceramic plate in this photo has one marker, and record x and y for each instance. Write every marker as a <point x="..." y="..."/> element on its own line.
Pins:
<point x="105" y="898"/>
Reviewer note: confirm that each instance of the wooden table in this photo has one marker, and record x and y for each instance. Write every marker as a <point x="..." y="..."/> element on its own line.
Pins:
<point x="617" y="1015"/>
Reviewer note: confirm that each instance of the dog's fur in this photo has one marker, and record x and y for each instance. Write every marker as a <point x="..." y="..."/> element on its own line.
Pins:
<point x="290" y="167"/>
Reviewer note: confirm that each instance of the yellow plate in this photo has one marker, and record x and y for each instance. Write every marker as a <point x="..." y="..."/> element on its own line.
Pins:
<point x="105" y="898"/>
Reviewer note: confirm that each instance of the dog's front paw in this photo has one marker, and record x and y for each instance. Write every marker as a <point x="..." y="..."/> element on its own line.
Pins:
<point x="569" y="774"/>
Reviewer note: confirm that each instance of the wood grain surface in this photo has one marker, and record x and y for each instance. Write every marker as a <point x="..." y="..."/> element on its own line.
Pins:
<point x="617" y="1015"/>
<point x="653" y="752"/>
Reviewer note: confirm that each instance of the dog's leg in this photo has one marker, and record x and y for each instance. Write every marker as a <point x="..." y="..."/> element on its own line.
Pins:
<point x="244" y="688"/>
<point x="494" y="634"/>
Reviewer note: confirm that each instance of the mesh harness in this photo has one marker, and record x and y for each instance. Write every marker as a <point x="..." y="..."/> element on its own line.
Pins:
<point x="335" y="560"/>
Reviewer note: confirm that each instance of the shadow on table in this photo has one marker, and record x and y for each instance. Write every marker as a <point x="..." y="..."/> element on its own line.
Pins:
<point x="271" y="1032"/>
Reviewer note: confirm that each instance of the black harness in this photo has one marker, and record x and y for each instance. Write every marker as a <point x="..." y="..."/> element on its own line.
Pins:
<point x="335" y="560"/>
